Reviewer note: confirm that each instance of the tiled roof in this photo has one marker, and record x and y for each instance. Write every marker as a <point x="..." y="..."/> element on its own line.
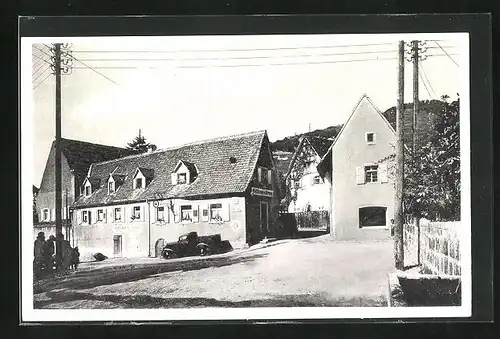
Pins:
<point x="320" y="145"/>
<point x="147" y="172"/>
<point x="81" y="154"/>
<point x="216" y="173"/>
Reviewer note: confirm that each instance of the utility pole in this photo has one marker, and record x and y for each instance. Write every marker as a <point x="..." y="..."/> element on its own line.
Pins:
<point x="58" y="175"/>
<point x="398" y="210"/>
<point x="415" y="97"/>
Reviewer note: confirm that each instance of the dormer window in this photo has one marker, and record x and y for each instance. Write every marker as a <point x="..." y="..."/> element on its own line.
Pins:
<point x="138" y="183"/>
<point x="111" y="187"/>
<point x="114" y="182"/>
<point x="88" y="190"/>
<point x="181" y="178"/>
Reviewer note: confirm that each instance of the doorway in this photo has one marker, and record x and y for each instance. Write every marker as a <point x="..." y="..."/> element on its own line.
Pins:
<point x="264" y="218"/>
<point x="159" y="246"/>
<point x="117" y="245"/>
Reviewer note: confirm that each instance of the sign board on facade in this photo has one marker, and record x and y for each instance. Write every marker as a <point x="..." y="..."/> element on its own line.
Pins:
<point x="262" y="192"/>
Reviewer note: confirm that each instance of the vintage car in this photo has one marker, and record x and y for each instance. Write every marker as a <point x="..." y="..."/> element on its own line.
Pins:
<point x="191" y="244"/>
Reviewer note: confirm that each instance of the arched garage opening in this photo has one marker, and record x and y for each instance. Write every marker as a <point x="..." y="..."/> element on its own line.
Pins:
<point x="372" y="216"/>
<point x="159" y="246"/>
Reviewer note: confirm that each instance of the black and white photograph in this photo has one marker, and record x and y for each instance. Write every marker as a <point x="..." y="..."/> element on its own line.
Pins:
<point x="212" y="177"/>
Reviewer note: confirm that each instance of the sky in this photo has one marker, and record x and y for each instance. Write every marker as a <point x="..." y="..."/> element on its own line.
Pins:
<point x="183" y="89"/>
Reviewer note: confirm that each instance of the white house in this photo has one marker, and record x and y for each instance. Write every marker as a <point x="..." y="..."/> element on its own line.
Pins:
<point x="356" y="165"/>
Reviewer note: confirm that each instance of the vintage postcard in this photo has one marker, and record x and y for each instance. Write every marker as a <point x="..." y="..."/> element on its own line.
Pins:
<point x="222" y="177"/>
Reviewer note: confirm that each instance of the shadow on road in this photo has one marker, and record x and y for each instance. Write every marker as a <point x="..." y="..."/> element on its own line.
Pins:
<point x="146" y="301"/>
<point x="122" y="274"/>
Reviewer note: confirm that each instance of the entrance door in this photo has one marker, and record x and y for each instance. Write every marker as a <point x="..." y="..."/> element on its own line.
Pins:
<point x="264" y="218"/>
<point x="117" y="245"/>
<point x="159" y="246"/>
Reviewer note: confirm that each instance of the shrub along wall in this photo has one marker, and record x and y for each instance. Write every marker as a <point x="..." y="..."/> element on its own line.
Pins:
<point x="439" y="247"/>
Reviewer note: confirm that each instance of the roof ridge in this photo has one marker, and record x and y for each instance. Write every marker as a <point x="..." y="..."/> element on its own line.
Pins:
<point x="199" y="142"/>
<point x="92" y="143"/>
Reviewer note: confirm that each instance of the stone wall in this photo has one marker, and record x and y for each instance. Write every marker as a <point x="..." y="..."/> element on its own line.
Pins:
<point x="439" y="247"/>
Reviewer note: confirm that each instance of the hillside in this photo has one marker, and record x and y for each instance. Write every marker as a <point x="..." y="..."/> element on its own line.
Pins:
<point x="289" y="144"/>
<point x="428" y="112"/>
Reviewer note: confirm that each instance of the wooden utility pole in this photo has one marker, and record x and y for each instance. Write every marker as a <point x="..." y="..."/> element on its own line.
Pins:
<point x="398" y="210"/>
<point x="58" y="175"/>
<point x="415" y="96"/>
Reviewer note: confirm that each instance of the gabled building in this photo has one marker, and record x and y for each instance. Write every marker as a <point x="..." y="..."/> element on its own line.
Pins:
<point x="356" y="166"/>
<point x="76" y="158"/>
<point x="308" y="190"/>
<point x="133" y="205"/>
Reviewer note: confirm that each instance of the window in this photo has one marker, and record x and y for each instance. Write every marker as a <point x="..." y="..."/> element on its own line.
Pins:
<point x="160" y="213"/>
<point x="370" y="138"/>
<point x="111" y="187"/>
<point x="118" y="214"/>
<point x="136" y="212"/>
<point x="215" y="212"/>
<point x="296" y="184"/>
<point x="372" y="216"/>
<point x="87" y="190"/>
<point x="371" y="173"/>
<point x="195" y="213"/>
<point x="138" y="183"/>
<point x="264" y="175"/>
<point x="317" y="180"/>
<point x="46" y="216"/>
<point x="100" y="215"/>
<point x="181" y="178"/>
<point x="186" y="213"/>
<point x="85" y="217"/>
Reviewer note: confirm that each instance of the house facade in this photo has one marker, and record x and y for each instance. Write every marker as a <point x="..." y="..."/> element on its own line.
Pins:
<point x="308" y="190"/>
<point x="76" y="158"/>
<point x="132" y="206"/>
<point x="357" y="165"/>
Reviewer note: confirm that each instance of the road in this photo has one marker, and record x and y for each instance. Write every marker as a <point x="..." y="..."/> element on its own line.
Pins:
<point x="301" y="272"/>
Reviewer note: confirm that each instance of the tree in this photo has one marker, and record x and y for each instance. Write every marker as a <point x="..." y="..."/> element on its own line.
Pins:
<point x="35" y="210"/>
<point x="432" y="184"/>
<point x="139" y="145"/>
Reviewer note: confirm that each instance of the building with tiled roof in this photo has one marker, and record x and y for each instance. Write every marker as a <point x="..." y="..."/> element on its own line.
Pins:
<point x="308" y="191"/>
<point x="131" y="206"/>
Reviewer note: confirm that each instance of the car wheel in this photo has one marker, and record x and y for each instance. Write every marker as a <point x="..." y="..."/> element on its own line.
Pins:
<point x="169" y="254"/>
<point x="205" y="250"/>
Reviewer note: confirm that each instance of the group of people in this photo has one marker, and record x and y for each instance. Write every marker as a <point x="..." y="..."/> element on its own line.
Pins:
<point x="46" y="261"/>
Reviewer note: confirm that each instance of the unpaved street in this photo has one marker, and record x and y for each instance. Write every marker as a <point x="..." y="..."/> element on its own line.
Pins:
<point x="302" y="272"/>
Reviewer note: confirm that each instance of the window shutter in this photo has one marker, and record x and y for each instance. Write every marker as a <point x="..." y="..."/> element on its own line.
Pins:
<point x="360" y="175"/>
<point x="382" y="169"/>
<point x="173" y="176"/>
<point x="143" y="214"/>
<point x="40" y="218"/>
<point x="53" y="214"/>
<point x="269" y="176"/>
<point x="225" y="212"/>
<point x="64" y="213"/>
<point x="197" y="217"/>
<point x="259" y="174"/>
<point x="153" y="213"/>
<point x="79" y="217"/>
<point x="205" y="217"/>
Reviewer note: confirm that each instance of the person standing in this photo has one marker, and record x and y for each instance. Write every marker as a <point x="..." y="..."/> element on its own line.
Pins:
<point x="48" y="254"/>
<point x="38" y="262"/>
<point x="66" y="252"/>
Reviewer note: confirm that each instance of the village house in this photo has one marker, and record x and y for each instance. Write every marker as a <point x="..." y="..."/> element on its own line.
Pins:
<point x="356" y="165"/>
<point x="76" y="157"/>
<point x="132" y="206"/>
<point x="308" y="190"/>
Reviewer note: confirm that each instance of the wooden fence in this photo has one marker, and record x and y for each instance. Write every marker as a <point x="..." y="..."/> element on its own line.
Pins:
<point x="436" y="248"/>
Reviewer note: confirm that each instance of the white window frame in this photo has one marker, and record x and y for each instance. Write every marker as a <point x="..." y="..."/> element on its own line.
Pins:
<point x="371" y="171"/>
<point x="103" y="216"/>
<point x="111" y="184"/>
<point x="218" y="209"/>
<point x="46" y="210"/>
<point x="89" y="190"/>
<point x="114" y="214"/>
<point x="386" y="226"/>
<point x="136" y="212"/>
<point x="136" y="180"/>
<point x="319" y="181"/>
<point x="86" y="215"/>
<point x="158" y="219"/>
<point x="190" y="213"/>
<point x="373" y="140"/>
<point x="184" y="175"/>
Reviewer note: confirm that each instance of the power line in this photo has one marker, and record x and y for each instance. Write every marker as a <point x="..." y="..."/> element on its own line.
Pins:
<point x="428" y="81"/>
<point x="93" y="69"/>
<point x="237" y="50"/>
<point x="449" y="56"/>
<point x="269" y="64"/>
<point x="48" y="75"/>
